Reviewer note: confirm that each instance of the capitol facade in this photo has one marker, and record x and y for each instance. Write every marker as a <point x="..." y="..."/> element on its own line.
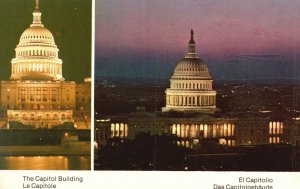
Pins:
<point x="37" y="93"/>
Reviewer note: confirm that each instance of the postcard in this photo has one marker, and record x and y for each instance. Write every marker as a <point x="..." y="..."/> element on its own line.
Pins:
<point x="197" y="85"/>
<point x="149" y="94"/>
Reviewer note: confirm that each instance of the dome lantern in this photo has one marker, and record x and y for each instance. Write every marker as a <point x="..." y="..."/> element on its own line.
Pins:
<point x="192" y="45"/>
<point x="37" y="20"/>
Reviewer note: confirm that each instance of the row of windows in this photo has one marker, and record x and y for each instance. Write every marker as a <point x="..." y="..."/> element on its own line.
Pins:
<point x="36" y="53"/>
<point x="38" y="107"/>
<point x="40" y="97"/>
<point x="37" y="37"/>
<point x="37" y="90"/>
<point x="24" y="89"/>
<point x="193" y="69"/>
<point x="39" y="116"/>
<point x="191" y="86"/>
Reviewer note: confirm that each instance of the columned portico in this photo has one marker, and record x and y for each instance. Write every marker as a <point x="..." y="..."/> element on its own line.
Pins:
<point x="189" y="132"/>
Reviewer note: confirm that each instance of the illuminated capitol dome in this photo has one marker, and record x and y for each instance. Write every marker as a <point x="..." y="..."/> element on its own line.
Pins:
<point x="191" y="85"/>
<point x="36" y="53"/>
<point x="37" y="95"/>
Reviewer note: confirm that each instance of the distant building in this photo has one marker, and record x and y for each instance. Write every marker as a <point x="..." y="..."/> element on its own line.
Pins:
<point x="37" y="93"/>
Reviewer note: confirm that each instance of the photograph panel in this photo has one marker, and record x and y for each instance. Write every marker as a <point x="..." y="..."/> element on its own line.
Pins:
<point x="45" y="87"/>
<point x="197" y="85"/>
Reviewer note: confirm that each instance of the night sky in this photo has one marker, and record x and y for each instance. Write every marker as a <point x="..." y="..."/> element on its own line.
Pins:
<point x="146" y="38"/>
<point x="70" y="23"/>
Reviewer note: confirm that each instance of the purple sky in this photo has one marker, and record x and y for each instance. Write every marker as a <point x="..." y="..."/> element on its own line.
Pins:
<point x="222" y="27"/>
<point x="147" y="38"/>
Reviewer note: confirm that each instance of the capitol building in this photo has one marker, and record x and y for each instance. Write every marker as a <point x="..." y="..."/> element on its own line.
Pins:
<point x="37" y="94"/>
<point x="190" y="114"/>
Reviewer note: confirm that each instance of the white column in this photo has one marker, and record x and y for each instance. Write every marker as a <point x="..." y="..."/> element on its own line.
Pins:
<point x="192" y="130"/>
<point x="173" y="129"/>
<point x="112" y="130"/>
<point x="126" y="130"/>
<point x="205" y="131"/>
<point x="187" y="127"/>
<point x="181" y="130"/>
<point x="214" y="130"/>
<point x="180" y="100"/>
<point x="167" y="100"/>
<point x="123" y="130"/>
<point x="221" y="130"/>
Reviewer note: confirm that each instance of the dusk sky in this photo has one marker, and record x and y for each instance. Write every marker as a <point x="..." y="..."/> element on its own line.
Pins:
<point x="130" y="33"/>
